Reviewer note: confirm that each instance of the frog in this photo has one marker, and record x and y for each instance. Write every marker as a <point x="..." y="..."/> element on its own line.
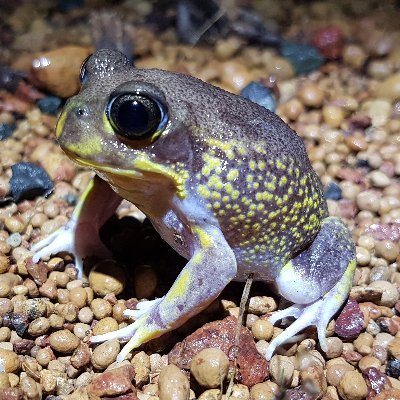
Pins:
<point x="225" y="182"/>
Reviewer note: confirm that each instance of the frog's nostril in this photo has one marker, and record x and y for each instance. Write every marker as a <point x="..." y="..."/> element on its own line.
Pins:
<point x="81" y="112"/>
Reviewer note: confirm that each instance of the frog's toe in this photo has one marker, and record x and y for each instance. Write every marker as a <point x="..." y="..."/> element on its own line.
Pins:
<point x="318" y="314"/>
<point x="142" y="308"/>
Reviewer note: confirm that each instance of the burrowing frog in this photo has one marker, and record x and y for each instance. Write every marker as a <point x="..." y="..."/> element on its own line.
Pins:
<point x="224" y="181"/>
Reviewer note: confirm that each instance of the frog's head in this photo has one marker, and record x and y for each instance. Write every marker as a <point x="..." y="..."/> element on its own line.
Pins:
<point x="124" y="124"/>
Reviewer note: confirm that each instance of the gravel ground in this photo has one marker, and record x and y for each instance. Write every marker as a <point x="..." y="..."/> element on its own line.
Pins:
<point x="348" y="112"/>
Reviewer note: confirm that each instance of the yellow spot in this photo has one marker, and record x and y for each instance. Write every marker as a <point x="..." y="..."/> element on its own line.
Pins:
<point x="206" y="240"/>
<point x="283" y="181"/>
<point x="203" y="191"/>
<point x="249" y="178"/>
<point x="232" y="174"/>
<point x="261" y="165"/>
<point x="235" y="194"/>
<point x="280" y="165"/>
<point x="252" y="165"/>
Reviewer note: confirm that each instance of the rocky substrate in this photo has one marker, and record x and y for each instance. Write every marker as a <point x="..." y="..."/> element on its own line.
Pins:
<point x="345" y="103"/>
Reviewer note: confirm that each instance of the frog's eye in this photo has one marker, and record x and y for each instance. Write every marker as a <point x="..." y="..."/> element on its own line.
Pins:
<point x="136" y="116"/>
<point x="83" y="72"/>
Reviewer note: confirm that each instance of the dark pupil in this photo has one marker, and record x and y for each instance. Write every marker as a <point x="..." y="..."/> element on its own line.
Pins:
<point x="135" y="116"/>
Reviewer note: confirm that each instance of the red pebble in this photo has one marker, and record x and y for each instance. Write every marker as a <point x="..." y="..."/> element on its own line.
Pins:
<point x="329" y="41"/>
<point x="350" y="322"/>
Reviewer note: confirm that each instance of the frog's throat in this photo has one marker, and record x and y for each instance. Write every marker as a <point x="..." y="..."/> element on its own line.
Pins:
<point x="140" y="166"/>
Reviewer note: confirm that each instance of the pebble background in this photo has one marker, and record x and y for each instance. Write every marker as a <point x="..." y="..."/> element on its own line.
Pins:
<point x="347" y="109"/>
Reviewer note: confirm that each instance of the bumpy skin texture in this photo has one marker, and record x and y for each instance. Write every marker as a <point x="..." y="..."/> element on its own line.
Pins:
<point x="225" y="182"/>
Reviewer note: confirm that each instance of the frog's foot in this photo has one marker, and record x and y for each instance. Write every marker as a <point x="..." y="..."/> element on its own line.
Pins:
<point x="133" y="332"/>
<point x="78" y="239"/>
<point x="318" y="281"/>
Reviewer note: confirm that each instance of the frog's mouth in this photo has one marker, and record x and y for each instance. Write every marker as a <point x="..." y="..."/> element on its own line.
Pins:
<point x="142" y="169"/>
<point x="132" y="173"/>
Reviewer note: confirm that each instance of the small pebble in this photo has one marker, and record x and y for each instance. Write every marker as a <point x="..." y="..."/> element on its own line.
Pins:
<point x="63" y="341"/>
<point x="105" y="354"/>
<point x="49" y="104"/>
<point x="303" y="57"/>
<point x="173" y="384"/>
<point x="6" y="130"/>
<point x="210" y="367"/>
<point x="29" y="181"/>
<point x="105" y="325"/>
<point x="352" y="386"/>
<point x="107" y="277"/>
<point x="260" y="94"/>
<point x="262" y="329"/>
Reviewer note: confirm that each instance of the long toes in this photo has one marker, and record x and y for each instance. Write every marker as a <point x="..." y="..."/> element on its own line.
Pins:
<point x="123" y="333"/>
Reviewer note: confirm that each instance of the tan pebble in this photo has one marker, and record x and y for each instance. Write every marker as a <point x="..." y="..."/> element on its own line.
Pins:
<point x="226" y="48"/>
<point x="379" y="69"/>
<point x="144" y="281"/>
<point x="39" y="326"/>
<point x="5" y="334"/>
<point x="354" y="55"/>
<point x="9" y="360"/>
<point x="335" y="369"/>
<point x="107" y="277"/>
<point x="332" y="115"/>
<point x="57" y="263"/>
<point x="105" y="354"/>
<point x="85" y="315"/>
<point x="48" y="66"/>
<point x="394" y="348"/>
<point x="314" y="379"/>
<point x="363" y="256"/>
<point x="4" y="263"/>
<point x="141" y="363"/>
<point x="31" y="389"/>
<point x="118" y="311"/>
<point x="378" y="110"/>
<point x="367" y="362"/>
<point x="105" y="325"/>
<point x="49" y="289"/>
<point x="49" y="226"/>
<point x="261" y="305"/>
<point x="235" y="74"/>
<point x="281" y="369"/>
<point x="4" y="380"/>
<point x="262" y="329"/>
<point x="68" y="311"/>
<point x="335" y="347"/>
<point x="211" y="394"/>
<point x="352" y="386"/>
<point x="60" y="278"/>
<point x="210" y="367"/>
<point x="387" y="249"/>
<point x="44" y="356"/>
<point x="56" y="365"/>
<point x="281" y="68"/>
<point x="7" y="282"/>
<point x="5" y="305"/>
<point x="378" y="179"/>
<point x="363" y="344"/>
<point x="173" y="384"/>
<point x="101" y="308"/>
<point x="38" y="220"/>
<point x="390" y="294"/>
<point x="311" y="95"/>
<point x="63" y="341"/>
<point x="264" y="391"/>
<point x="81" y="330"/>
<point x="78" y="296"/>
<point x="390" y="88"/>
<point x="240" y="392"/>
<point x="368" y="200"/>
<point x="56" y="321"/>
<point x="15" y="224"/>
<point x="293" y="109"/>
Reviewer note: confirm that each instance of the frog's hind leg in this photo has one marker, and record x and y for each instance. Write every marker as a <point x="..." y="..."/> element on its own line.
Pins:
<point x="317" y="281"/>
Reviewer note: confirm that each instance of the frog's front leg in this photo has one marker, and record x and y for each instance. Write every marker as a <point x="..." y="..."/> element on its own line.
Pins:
<point x="317" y="281"/>
<point x="211" y="267"/>
<point x="80" y="235"/>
